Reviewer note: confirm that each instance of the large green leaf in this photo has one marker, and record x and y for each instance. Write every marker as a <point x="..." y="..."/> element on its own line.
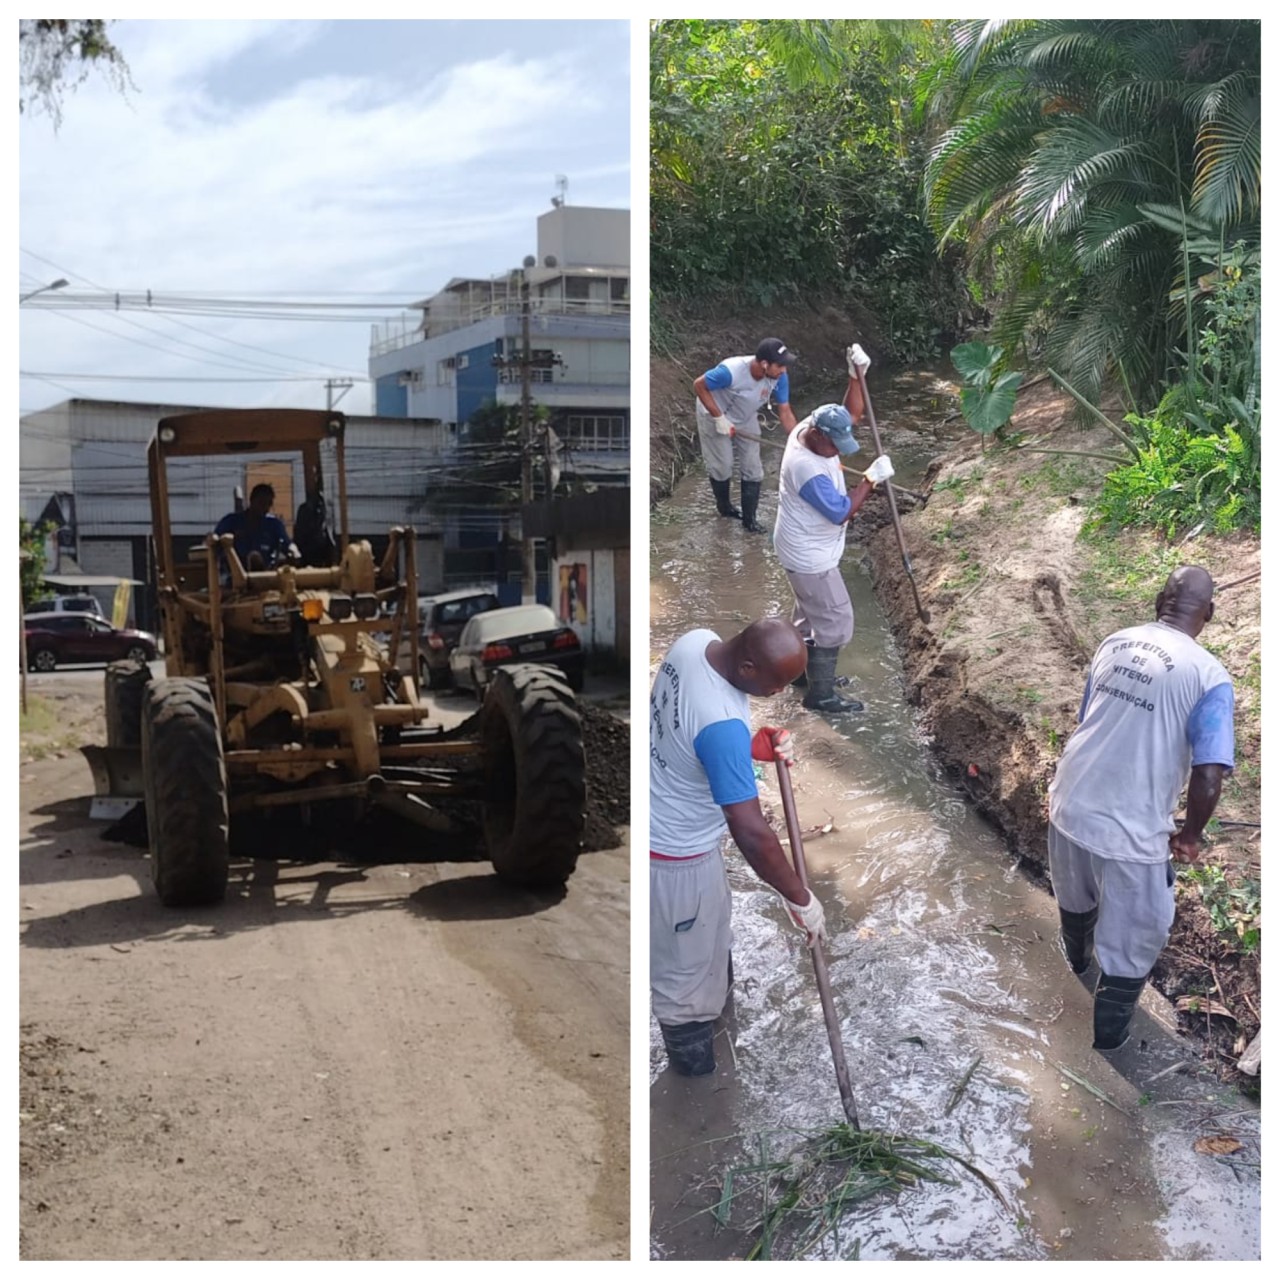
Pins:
<point x="988" y="411"/>
<point x="975" y="360"/>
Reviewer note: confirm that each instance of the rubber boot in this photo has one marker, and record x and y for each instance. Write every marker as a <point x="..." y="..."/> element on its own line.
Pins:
<point x="1113" y="1004"/>
<point x="726" y="508"/>
<point x="1077" y="937"/>
<point x="822" y="695"/>
<point x="689" y="1048"/>
<point x="802" y="680"/>
<point x="750" y="501"/>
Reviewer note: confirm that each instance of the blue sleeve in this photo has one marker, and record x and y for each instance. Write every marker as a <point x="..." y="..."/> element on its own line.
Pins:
<point x="724" y="748"/>
<point x="718" y="378"/>
<point x="227" y="524"/>
<point x="1211" y="729"/>
<point x="821" y="494"/>
<point x="782" y="391"/>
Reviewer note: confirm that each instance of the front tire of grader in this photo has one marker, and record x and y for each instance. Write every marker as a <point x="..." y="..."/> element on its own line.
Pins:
<point x="185" y="781"/>
<point x="123" y="689"/>
<point x="535" y="776"/>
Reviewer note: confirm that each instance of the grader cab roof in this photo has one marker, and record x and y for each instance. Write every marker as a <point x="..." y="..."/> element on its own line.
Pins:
<point x="217" y="431"/>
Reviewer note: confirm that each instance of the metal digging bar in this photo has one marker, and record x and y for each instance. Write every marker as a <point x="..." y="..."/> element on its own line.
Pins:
<point x="819" y="960"/>
<point x="893" y="506"/>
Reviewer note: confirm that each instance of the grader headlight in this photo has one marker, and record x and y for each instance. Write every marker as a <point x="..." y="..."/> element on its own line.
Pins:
<point x="366" y="605"/>
<point x="339" y="607"/>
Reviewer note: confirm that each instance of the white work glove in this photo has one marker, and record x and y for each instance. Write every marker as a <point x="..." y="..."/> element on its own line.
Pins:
<point x="723" y="426"/>
<point x="858" y="359"/>
<point x="880" y="469"/>
<point x="810" y="918"/>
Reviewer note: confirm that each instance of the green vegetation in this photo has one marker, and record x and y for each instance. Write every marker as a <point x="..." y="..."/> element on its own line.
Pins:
<point x="801" y="1199"/>
<point x="988" y="396"/>
<point x="1088" y="189"/>
<point x="784" y="160"/>
<point x="1234" y="908"/>
<point x="31" y="566"/>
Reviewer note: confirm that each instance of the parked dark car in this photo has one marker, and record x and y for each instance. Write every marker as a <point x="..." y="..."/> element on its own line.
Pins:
<point x="440" y="621"/>
<point x="525" y="633"/>
<point x="54" y="638"/>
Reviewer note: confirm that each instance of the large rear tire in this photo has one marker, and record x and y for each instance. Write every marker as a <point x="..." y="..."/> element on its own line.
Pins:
<point x="124" y="686"/>
<point x="535" y="776"/>
<point x="185" y="781"/>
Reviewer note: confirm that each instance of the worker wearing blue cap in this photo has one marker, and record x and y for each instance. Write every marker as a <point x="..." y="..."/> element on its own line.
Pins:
<point x="814" y="510"/>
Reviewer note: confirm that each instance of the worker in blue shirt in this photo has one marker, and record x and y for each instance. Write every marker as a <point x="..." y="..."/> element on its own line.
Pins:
<point x="261" y="540"/>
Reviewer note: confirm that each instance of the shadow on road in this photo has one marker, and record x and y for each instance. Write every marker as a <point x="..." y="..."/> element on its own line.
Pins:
<point x="481" y="897"/>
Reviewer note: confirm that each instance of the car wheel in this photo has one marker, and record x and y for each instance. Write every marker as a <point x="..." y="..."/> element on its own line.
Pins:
<point x="138" y="653"/>
<point x="44" y="660"/>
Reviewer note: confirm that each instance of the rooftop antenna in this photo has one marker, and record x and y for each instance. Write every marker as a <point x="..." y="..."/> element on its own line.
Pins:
<point x="562" y="186"/>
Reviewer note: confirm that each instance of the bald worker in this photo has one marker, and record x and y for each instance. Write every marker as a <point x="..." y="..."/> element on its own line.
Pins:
<point x="701" y="782"/>
<point x="1157" y="716"/>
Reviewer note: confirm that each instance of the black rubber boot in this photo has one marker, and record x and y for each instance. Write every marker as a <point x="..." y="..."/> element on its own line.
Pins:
<point x="750" y="501"/>
<point x="802" y="680"/>
<point x="689" y="1047"/>
<point x="1113" y="1004"/>
<point x="726" y="508"/>
<point x="1077" y="937"/>
<point x="822" y="695"/>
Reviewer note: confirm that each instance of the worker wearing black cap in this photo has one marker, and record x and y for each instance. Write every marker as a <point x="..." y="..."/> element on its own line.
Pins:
<point x="730" y="397"/>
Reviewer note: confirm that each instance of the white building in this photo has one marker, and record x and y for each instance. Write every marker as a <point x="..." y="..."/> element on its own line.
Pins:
<point x="84" y="463"/>
<point x="460" y="353"/>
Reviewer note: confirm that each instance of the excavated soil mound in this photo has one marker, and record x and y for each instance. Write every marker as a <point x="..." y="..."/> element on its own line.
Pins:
<point x="606" y="741"/>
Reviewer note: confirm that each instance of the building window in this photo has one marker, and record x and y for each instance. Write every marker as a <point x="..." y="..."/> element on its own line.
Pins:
<point x="577" y="288"/>
<point x="597" y="432"/>
<point x="620" y="289"/>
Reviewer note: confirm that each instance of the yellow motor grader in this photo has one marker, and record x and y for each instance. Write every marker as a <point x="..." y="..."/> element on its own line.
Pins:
<point x="278" y="693"/>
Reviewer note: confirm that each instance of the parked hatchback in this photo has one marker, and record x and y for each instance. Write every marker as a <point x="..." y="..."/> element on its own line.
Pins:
<point x="441" y="620"/>
<point x="60" y="638"/>
<point x="525" y="633"/>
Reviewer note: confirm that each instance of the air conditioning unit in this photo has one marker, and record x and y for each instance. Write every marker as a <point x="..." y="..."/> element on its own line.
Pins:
<point x="409" y="377"/>
<point x="450" y="362"/>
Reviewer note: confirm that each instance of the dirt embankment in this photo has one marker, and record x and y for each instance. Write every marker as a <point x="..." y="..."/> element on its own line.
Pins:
<point x="1020" y="592"/>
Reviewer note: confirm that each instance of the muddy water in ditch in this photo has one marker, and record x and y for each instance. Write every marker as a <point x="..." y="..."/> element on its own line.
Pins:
<point x="942" y="955"/>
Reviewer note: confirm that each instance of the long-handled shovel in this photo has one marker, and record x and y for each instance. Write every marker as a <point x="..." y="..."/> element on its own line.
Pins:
<point x="893" y="506"/>
<point x="819" y="960"/>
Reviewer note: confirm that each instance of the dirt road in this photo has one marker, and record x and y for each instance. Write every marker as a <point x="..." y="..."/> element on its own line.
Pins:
<point x="391" y="1059"/>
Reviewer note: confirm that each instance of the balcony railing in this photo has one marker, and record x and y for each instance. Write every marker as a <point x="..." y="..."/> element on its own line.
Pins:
<point x="394" y="335"/>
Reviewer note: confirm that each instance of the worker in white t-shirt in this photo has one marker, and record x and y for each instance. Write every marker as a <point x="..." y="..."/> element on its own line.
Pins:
<point x="814" y="510"/>
<point x="729" y="398"/>
<point x="1157" y="716"/>
<point x="701" y="781"/>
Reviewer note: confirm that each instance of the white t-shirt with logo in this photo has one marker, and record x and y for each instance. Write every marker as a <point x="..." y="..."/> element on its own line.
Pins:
<point x="806" y="538"/>
<point x="744" y="397"/>
<point x="1156" y="703"/>
<point x="699" y="750"/>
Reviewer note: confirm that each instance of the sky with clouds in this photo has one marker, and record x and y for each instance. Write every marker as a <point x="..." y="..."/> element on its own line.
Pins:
<point x="352" y="162"/>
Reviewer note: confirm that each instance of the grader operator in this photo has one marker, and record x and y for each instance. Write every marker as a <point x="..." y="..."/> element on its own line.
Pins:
<point x="276" y="692"/>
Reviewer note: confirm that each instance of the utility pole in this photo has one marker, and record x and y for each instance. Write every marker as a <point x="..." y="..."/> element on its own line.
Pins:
<point x="526" y="360"/>
<point x="336" y="384"/>
<point x="528" y="553"/>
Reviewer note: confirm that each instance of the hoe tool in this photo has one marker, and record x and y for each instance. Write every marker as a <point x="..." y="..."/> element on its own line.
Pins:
<point x="819" y="960"/>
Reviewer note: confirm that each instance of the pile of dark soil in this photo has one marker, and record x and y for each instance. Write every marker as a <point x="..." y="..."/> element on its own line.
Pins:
<point x="606" y="740"/>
